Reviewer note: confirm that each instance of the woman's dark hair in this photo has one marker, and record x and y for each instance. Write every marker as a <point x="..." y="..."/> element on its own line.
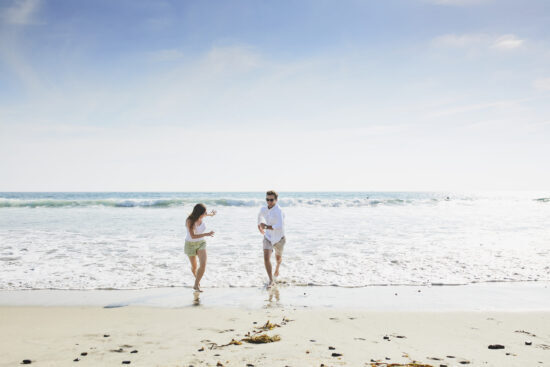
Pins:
<point x="198" y="210"/>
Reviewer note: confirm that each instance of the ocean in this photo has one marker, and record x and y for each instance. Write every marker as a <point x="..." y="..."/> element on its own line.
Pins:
<point x="124" y="240"/>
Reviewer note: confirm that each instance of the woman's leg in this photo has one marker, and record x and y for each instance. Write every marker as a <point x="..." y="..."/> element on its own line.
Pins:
<point x="202" y="267"/>
<point x="193" y="260"/>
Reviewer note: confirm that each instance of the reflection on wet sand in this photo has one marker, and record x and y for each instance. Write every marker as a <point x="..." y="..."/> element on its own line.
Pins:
<point x="273" y="293"/>
<point x="196" y="298"/>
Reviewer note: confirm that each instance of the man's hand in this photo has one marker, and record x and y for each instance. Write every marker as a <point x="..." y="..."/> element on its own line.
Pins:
<point x="263" y="225"/>
<point x="261" y="229"/>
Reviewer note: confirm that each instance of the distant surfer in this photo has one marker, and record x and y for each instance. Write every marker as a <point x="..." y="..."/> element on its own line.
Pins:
<point x="271" y="225"/>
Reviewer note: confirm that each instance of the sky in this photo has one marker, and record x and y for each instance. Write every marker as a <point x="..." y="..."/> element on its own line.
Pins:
<point x="135" y="95"/>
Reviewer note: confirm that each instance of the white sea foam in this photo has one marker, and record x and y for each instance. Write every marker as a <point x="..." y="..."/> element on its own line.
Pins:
<point x="331" y="240"/>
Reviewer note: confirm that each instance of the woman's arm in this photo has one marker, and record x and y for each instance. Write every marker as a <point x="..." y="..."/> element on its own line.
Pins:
<point x="195" y="236"/>
<point x="212" y="213"/>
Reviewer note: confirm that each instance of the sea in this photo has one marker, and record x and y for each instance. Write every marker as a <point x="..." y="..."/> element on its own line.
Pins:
<point x="135" y="240"/>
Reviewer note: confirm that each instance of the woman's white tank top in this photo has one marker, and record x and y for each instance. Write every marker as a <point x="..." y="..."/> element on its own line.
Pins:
<point x="199" y="229"/>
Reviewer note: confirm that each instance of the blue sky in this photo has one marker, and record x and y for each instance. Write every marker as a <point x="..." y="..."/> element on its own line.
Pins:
<point x="297" y="95"/>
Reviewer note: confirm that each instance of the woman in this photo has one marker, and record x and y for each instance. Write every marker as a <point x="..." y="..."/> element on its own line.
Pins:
<point x="195" y="245"/>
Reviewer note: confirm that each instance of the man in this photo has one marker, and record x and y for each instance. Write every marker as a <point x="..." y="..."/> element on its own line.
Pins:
<point x="271" y="226"/>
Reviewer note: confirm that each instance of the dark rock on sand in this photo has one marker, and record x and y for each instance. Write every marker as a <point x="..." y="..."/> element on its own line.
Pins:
<point x="76" y="360"/>
<point x="106" y="335"/>
<point x="464" y="362"/>
<point x="26" y="361"/>
<point x="496" y="346"/>
<point x="386" y="337"/>
<point x="249" y="365"/>
<point x="312" y="340"/>
<point x="450" y="356"/>
<point x="336" y="354"/>
<point x="126" y="362"/>
<point x="119" y="350"/>
<point x="331" y="348"/>
<point x="84" y="354"/>
<point x="134" y="351"/>
<point x="201" y="349"/>
<point x="528" y="343"/>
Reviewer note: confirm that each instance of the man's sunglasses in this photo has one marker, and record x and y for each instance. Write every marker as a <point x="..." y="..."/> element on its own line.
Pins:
<point x="269" y="199"/>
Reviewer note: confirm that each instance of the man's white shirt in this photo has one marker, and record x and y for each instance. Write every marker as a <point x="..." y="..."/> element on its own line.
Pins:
<point x="273" y="217"/>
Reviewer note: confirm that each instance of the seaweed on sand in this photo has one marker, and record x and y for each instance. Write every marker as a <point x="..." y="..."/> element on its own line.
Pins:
<point x="268" y="326"/>
<point x="263" y="338"/>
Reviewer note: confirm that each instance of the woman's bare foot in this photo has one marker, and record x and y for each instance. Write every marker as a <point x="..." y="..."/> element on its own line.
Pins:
<point x="197" y="289"/>
<point x="270" y="284"/>
<point x="276" y="272"/>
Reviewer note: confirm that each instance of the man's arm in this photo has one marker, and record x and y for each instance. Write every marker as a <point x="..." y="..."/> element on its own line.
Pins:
<point x="261" y="224"/>
<point x="278" y="221"/>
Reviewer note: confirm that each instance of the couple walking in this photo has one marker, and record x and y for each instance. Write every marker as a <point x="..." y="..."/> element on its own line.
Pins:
<point x="270" y="225"/>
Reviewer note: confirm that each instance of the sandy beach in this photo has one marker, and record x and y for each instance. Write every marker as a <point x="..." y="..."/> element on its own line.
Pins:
<point x="309" y="336"/>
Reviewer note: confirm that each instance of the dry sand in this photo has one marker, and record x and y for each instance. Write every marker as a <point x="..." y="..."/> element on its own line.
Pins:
<point x="55" y="336"/>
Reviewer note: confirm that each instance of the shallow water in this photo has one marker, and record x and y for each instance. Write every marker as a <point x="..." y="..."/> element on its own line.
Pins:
<point x="135" y="240"/>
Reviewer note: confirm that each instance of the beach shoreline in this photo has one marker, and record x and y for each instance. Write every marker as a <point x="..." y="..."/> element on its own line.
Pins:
<point x="370" y="326"/>
<point x="504" y="296"/>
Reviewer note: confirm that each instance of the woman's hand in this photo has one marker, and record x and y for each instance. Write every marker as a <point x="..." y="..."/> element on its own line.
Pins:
<point x="212" y="213"/>
<point x="210" y="234"/>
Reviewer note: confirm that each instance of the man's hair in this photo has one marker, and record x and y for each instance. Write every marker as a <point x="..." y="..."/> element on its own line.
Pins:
<point x="272" y="192"/>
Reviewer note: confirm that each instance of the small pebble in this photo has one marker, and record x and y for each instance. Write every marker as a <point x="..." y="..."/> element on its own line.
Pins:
<point x="331" y="348"/>
<point x="84" y="354"/>
<point x="201" y="349"/>
<point x="126" y="362"/>
<point x="496" y="346"/>
<point x="528" y="343"/>
<point x="76" y="360"/>
<point x="106" y="335"/>
<point x="386" y="337"/>
<point x="134" y="351"/>
<point x="26" y="361"/>
<point x="312" y="340"/>
<point x="336" y="354"/>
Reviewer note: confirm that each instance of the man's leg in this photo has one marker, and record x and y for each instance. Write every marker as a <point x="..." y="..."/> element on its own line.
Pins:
<point x="267" y="263"/>
<point x="279" y="259"/>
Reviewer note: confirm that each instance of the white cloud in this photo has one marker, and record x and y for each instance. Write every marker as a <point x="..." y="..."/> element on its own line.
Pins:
<point x="542" y="84"/>
<point x="478" y="40"/>
<point x="21" y="13"/>
<point x="507" y="42"/>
